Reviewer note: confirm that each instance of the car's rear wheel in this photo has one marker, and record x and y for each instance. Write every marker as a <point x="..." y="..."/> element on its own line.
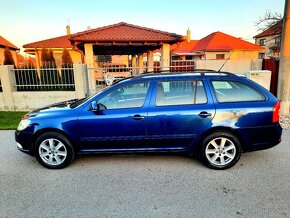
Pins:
<point x="221" y="150"/>
<point x="53" y="150"/>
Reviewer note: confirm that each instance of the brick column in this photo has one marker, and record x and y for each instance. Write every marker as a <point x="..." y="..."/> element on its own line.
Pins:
<point x="89" y="59"/>
<point x="81" y="86"/>
<point x="8" y="82"/>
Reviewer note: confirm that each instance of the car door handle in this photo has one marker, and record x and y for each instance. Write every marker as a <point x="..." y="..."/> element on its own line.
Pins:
<point x="138" y="117"/>
<point x="204" y="114"/>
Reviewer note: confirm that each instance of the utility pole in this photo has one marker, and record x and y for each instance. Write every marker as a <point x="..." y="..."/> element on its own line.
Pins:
<point x="284" y="67"/>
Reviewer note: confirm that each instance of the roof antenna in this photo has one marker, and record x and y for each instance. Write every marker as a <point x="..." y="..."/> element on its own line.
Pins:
<point x="225" y="62"/>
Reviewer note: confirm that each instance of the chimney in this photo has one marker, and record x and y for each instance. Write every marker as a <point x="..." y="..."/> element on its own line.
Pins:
<point x="68" y="30"/>
<point x="188" y="35"/>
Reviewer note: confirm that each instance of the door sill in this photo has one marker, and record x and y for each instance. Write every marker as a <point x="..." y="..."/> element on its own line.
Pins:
<point x="126" y="150"/>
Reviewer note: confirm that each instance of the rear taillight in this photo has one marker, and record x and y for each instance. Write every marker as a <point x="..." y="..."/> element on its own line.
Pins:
<point x="276" y="112"/>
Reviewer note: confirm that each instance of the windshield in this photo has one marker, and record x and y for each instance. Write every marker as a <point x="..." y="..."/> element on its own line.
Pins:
<point x="83" y="100"/>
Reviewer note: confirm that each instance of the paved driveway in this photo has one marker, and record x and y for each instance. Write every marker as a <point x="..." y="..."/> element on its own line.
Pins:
<point x="145" y="186"/>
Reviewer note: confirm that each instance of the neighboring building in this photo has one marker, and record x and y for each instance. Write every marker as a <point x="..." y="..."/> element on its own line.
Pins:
<point x="270" y="39"/>
<point x="13" y="49"/>
<point x="184" y="50"/>
<point x="57" y="45"/>
<point x="215" y="46"/>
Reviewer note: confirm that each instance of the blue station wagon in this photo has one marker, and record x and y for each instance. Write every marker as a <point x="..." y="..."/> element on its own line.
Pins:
<point x="214" y="115"/>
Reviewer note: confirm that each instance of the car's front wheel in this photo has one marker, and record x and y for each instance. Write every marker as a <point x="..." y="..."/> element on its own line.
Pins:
<point x="53" y="150"/>
<point x="221" y="150"/>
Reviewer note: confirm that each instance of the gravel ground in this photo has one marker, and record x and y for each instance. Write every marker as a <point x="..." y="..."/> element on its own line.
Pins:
<point x="285" y="122"/>
<point x="145" y="186"/>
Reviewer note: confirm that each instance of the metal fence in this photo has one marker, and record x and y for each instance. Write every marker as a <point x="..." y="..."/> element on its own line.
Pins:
<point x="47" y="78"/>
<point x="176" y="66"/>
<point x="108" y="74"/>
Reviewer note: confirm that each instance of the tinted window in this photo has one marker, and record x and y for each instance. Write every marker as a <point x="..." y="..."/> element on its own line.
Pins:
<point x="232" y="91"/>
<point x="130" y="96"/>
<point x="180" y="93"/>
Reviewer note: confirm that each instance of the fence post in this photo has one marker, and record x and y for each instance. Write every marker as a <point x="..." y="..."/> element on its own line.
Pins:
<point x="150" y="61"/>
<point x="8" y="82"/>
<point x="80" y="76"/>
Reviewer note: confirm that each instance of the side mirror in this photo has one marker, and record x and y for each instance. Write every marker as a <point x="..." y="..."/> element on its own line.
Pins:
<point x="94" y="106"/>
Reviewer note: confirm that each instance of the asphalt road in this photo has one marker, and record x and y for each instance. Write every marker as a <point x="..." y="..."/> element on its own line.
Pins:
<point x="145" y="186"/>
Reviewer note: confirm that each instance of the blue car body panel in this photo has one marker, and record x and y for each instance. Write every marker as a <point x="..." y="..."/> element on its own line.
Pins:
<point x="157" y="128"/>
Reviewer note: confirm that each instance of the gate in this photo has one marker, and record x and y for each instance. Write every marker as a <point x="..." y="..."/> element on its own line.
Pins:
<point x="273" y="66"/>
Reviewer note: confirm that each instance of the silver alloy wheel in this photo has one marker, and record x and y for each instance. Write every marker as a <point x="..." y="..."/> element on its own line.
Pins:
<point x="52" y="151"/>
<point x="220" y="151"/>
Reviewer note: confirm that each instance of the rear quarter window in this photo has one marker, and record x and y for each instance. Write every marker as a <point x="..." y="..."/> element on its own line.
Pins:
<point x="234" y="91"/>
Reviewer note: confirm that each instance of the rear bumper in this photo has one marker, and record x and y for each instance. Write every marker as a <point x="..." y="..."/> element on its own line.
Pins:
<point x="260" y="138"/>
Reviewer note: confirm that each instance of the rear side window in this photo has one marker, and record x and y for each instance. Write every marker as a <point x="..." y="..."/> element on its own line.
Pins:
<point x="233" y="91"/>
<point x="187" y="92"/>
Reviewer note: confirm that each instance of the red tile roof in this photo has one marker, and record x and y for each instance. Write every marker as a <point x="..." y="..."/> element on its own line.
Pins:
<point x="57" y="42"/>
<point x="274" y="30"/>
<point x="219" y="41"/>
<point x="125" y="32"/>
<point x="184" y="46"/>
<point x="5" y="42"/>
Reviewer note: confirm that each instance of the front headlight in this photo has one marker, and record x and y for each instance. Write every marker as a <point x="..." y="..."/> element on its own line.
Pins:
<point x="23" y="124"/>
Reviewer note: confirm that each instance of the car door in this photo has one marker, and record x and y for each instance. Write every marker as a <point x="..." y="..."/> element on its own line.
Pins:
<point x="121" y="124"/>
<point x="179" y="111"/>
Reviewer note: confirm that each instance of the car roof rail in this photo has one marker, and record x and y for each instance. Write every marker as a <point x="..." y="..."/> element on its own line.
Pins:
<point x="203" y="72"/>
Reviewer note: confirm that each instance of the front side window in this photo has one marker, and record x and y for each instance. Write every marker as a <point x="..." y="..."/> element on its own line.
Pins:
<point x="233" y="91"/>
<point x="129" y="96"/>
<point x="187" y="92"/>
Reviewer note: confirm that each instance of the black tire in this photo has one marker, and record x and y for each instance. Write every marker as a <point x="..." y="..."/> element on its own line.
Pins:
<point x="214" y="156"/>
<point x="55" y="158"/>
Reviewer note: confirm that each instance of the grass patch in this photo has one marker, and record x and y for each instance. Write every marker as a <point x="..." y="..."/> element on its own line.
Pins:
<point x="10" y="119"/>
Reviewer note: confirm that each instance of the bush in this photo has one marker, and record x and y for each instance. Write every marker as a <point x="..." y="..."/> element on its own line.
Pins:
<point x="48" y="72"/>
<point x="8" y="59"/>
<point x="67" y="74"/>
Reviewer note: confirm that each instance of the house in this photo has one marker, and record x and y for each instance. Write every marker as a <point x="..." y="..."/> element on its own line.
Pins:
<point x="215" y="46"/>
<point x="13" y="49"/>
<point x="270" y="39"/>
<point x="57" y="45"/>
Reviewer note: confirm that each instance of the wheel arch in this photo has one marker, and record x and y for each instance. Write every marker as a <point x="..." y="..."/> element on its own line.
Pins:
<point x="216" y="129"/>
<point x="45" y="130"/>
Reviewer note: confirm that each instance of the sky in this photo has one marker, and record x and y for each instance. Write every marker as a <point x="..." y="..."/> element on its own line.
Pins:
<point x="26" y="21"/>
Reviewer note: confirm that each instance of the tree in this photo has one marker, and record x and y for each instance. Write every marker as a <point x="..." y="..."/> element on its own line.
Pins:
<point x="45" y="57"/>
<point x="67" y="74"/>
<point x="272" y="21"/>
<point x="66" y="58"/>
<point x="49" y="75"/>
<point x="51" y="58"/>
<point x="8" y="59"/>
<point x="268" y="20"/>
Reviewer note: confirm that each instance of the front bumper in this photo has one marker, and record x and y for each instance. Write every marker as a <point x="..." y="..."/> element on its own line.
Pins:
<point x="19" y="146"/>
<point x="24" y="141"/>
